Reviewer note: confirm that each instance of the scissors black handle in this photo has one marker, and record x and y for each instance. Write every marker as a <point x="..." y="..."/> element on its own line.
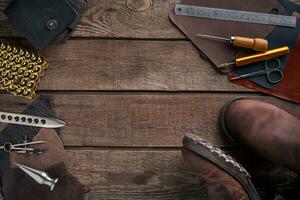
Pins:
<point x="275" y="72"/>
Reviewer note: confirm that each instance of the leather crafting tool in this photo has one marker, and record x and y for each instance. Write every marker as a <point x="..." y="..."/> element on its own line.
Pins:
<point x="272" y="72"/>
<point x="22" y="148"/>
<point x="41" y="177"/>
<point x="30" y="120"/>
<point x="274" y="53"/>
<point x="53" y="151"/>
<point x="289" y="86"/>
<point x="277" y="36"/>
<point x="280" y="36"/>
<point x="27" y="150"/>
<point x="219" y="52"/>
<point x="257" y="44"/>
<point x="8" y="147"/>
<point x="14" y="133"/>
<point x="19" y="185"/>
<point x="235" y="15"/>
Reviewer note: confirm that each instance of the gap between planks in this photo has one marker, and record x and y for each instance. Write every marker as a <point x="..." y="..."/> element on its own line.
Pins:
<point x="136" y="148"/>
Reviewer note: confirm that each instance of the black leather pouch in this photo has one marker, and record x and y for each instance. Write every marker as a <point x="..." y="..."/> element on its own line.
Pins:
<point x="45" y="22"/>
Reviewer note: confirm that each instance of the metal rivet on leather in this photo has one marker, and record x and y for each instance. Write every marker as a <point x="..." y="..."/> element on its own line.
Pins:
<point x="52" y="24"/>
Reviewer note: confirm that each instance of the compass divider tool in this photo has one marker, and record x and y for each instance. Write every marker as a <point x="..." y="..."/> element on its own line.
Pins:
<point x="21" y="147"/>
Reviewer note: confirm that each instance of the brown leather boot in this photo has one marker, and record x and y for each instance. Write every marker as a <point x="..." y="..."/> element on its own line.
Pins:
<point x="224" y="178"/>
<point x="267" y="130"/>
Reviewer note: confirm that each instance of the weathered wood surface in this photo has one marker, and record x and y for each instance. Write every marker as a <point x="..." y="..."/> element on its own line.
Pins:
<point x="117" y="19"/>
<point x="116" y="65"/>
<point x="94" y="65"/>
<point x="131" y="65"/>
<point x="153" y="174"/>
<point x="138" y="120"/>
<point x="125" y="144"/>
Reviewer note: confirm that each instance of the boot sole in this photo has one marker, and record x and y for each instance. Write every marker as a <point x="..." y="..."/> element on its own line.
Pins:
<point x="222" y="117"/>
<point x="220" y="159"/>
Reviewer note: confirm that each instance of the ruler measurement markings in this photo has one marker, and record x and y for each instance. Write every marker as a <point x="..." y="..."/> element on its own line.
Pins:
<point x="235" y="15"/>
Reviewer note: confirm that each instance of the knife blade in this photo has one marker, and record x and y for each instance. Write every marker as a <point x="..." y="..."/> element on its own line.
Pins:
<point x="31" y="120"/>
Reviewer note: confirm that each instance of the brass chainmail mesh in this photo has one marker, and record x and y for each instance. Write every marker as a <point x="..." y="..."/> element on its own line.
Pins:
<point x="20" y="70"/>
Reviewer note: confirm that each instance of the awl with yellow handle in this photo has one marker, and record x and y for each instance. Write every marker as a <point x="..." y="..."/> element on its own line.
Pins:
<point x="257" y="44"/>
<point x="274" y="53"/>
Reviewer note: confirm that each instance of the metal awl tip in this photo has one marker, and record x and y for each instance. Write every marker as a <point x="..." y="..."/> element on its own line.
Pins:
<point x="41" y="177"/>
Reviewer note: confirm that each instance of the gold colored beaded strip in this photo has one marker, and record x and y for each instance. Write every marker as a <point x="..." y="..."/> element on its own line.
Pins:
<point x="20" y="70"/>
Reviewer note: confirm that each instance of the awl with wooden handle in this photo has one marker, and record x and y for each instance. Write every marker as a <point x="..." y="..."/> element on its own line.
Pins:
<point x="257" y="44"/>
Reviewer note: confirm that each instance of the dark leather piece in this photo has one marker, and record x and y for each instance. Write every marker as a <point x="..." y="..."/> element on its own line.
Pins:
<point x="4" y="164"/>
<point x="19" y="186"/>
<point x="289" y="87"/>
<point x="280" y="36"/>
<point x="15" y="133"/>
<point x="32" y="19"/>
<point x="220" y="52"/>
<point x="78" y="5"/>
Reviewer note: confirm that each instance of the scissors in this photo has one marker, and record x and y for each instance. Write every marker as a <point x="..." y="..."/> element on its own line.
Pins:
<point x="272" y="71"/>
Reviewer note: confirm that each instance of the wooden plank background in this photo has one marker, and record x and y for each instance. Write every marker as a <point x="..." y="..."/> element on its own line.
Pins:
<point x="130" y="85"/>
<point x="117" y="119"/>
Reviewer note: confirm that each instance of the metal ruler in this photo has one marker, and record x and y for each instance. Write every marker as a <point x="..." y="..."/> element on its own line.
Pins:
<point x="235" y="15"/>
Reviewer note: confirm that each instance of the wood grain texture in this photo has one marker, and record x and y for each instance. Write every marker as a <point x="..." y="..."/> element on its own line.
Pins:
<point x="106" y="18"/>
<point x="114" y="19"/>
<point x="161" y="175"/>
<point x="138" y="120"/>
<point x="131" y="65"/>
<point x="126" y="145"/>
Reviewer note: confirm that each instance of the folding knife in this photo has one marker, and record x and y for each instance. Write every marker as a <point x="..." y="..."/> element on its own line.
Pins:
<point x="30" y="120"/>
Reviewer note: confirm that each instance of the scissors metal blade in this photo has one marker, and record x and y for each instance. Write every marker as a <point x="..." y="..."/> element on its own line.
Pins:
<point x="30" y="120"/>
<point x="267" y="72"/>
